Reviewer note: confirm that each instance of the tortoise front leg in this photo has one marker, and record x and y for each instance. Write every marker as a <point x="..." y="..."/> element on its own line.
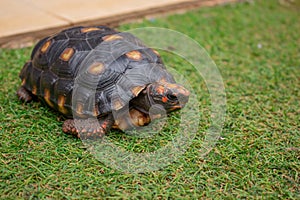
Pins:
<point x="90" y="128"/>
<point x="25" y="95"/>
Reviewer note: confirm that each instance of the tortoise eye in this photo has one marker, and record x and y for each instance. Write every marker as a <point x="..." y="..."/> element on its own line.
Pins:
<point x="172" y="97"/>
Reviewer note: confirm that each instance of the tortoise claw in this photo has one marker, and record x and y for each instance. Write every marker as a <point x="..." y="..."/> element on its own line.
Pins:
<point x="24" y="95"/>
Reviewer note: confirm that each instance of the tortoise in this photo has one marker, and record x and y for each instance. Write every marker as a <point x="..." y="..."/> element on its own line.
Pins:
<point x="99" y="79"/>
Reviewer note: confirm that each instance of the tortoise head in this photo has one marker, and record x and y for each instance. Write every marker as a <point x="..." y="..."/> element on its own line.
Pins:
<point x="153" y="101"/>
<point x="168" y="95"/>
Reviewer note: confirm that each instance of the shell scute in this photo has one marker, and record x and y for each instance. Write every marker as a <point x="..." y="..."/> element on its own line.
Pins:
<point x="67" y="54"/>
<point x="46" y="46"/>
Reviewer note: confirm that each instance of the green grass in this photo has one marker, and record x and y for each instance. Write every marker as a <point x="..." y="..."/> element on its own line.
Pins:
<point x="258" y="157"/>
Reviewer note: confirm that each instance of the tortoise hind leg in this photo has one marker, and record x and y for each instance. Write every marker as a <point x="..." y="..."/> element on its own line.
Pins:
<point x="25" y="95"/>
<point x="90" y="128"/>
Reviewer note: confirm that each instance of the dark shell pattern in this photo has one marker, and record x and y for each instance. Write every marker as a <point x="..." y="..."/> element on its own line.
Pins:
<point x="91" y="70"/>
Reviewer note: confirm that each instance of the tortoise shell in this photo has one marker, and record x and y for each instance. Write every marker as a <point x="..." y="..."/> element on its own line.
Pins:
<point x="91" y="71"/>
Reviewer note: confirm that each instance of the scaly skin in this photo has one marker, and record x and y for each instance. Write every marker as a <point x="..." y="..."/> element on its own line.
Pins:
<point x="90" y="128"/>
<point x="24" y="94"/>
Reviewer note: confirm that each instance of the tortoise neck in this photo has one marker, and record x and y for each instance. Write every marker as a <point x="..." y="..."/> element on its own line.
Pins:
<point x="143" y="101"/>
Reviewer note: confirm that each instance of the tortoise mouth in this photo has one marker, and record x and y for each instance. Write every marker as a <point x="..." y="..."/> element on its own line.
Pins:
<point x="177" y="107"/>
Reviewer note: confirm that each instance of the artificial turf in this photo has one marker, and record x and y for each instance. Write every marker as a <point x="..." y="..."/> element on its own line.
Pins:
<point x="256" y="48"/>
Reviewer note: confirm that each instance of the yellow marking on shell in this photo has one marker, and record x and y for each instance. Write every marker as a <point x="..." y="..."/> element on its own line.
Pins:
<point x="46" y="46"/>
<point x="67" y="54"/>
<point x="95" y="111"/>
<point x="136" y="90"/>
<point x="96" y="68"/>
<point x="108" y="38"/>
<point x="34" y="89"/>
<point x="134" y="55"/>
<point x="79" y="108"/>
<point x="89" y="29"/>
<point x="47" y="96"/>
<point x="23" y="82"/>
<point x="156" y="52"/>
<point x="61" y="104"/>
<point x="118" y="105"/>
